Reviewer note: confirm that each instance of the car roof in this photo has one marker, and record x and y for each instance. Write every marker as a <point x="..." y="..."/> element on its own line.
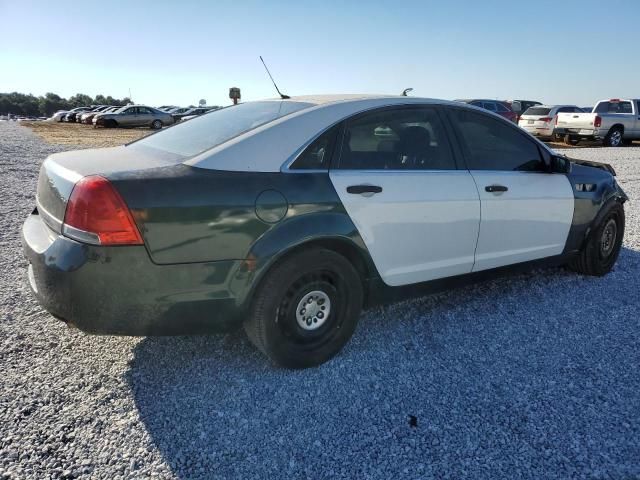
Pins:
<point x="290" y="134"/>
<point x="469" y="100"/>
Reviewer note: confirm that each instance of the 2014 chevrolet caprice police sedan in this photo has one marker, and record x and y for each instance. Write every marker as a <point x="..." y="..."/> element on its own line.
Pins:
<point x="291" y="215"/>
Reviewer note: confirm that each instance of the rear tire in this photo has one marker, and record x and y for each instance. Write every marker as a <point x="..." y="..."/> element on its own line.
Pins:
<point x="602" y="248"/>
<point x="614" y="138"/>
<point x="571" y="140"/>
<point x="156" y="125"/>
<point x="306" y="308"/>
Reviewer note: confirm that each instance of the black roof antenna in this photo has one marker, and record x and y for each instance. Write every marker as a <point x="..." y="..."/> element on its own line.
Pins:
<point x="282" y="96"/>
<point x="405" y="91"/>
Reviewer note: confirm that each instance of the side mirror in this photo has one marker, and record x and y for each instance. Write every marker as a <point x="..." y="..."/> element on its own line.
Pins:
<point x="559" y="164"/>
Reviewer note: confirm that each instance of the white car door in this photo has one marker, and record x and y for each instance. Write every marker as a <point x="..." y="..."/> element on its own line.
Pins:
<point x="417" y="213"/>
<point x="526" y="212"/>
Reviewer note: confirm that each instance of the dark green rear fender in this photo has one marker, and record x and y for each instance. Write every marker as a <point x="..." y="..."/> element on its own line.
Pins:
<point x="333" y="230"/>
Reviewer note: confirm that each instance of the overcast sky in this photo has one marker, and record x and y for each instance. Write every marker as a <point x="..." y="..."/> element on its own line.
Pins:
<point x="170" y="52"/>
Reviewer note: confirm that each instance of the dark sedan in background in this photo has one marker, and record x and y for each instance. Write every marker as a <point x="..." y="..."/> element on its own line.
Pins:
<point x="496" y="106"/>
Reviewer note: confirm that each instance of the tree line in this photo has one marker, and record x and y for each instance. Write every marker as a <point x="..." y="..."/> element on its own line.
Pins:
<point x="44" y="106"/>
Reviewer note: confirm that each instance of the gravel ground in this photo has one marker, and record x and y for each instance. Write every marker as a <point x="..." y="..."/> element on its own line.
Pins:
<point x="534" y="376"/>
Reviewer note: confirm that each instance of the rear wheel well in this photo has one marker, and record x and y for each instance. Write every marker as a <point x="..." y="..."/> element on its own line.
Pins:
<point x="617" y="126"/>
<point x="341" y="247"/>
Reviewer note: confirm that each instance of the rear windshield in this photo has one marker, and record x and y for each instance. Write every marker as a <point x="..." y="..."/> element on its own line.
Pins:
<point x="537" y="111"/>
<point x="613" y="107"/>
<point x="211" y="129"/>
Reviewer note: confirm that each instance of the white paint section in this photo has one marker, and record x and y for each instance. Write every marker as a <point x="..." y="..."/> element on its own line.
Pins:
<point x="529" y="221"/>
<point x="422" y="226"/>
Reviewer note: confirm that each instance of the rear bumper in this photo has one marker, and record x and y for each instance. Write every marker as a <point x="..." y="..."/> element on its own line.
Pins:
<point x="538" y="131"/>
<point x="119" y="290"/>
<point x="581" y="132"/>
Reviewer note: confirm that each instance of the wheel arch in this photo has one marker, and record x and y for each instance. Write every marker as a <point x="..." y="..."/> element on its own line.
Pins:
<point x="617" y="126"/>
<point x="591" y="206"/>
<point x="331" y="231"/>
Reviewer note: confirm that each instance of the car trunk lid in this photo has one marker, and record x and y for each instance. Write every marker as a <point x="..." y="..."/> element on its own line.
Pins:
<point x="576" y="120"/>
<point x="60" y="172"/>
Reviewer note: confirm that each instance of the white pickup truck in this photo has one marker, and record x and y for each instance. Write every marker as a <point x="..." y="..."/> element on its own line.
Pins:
<point x="615" y="122"/>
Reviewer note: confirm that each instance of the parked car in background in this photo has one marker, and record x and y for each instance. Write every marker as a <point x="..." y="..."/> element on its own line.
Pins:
<point x="290" y="216"/>
<point x="540" y="120"/>
<point x="178" y="110"/>
<point x="615" y="122"/>
<point x="87" y="117"/>
<point x="191" y="112"/>
<point x="134" y="116"/>
<point x="71" y="115"/>
<point x="495" y="106"/>
<point x="166" y="108"/>
<point x="97" y="109"/>
<point x="59" y="115"/>
<point x="587" y="109"/>
<point x="521" y="106"/>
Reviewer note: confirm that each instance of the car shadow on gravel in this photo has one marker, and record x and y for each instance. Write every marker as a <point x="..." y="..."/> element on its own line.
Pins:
<point x="529" y="376"/>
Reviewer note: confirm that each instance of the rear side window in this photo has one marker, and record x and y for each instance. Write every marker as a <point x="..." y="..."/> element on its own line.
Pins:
<point x="541" y="111"/>
<point x="493" y="144"/>
<point x="501" y="108"/>
<point x="396" y="139"/>
<point x="318" y="154"/>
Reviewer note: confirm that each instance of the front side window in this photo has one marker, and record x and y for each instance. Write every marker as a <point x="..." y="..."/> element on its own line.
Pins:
<point x="396" y="139"/>
<point x="207" y="131"/>
<point x="318" y="154"/>
<point x="492" y="144"/>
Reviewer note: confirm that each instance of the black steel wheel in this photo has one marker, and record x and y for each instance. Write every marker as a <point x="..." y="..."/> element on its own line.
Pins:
<point x="306" y="308"/>
<point x="603" y="244"/>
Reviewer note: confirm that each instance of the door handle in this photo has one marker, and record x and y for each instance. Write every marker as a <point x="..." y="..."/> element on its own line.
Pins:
<point x="495" y="188"/>
<point x="364" y="189"/>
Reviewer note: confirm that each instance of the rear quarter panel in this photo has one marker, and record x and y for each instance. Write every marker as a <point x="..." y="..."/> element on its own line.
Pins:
<point x="188" y="214"/>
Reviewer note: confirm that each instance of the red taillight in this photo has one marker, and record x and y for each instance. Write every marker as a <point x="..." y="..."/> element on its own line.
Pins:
<point x="545" y="119"/>
<point x="96" y="208"/>
<point x="597" y="121"/>
<point x="555" y="121"/>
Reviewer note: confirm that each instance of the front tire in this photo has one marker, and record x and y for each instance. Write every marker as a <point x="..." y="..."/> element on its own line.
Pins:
<point x="603" y="245"/>
<point x="306" y="308"/>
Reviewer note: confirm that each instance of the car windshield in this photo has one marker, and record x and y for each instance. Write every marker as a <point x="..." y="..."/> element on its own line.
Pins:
<point x="207" y="131"/>
<point x="537" y="111"/>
